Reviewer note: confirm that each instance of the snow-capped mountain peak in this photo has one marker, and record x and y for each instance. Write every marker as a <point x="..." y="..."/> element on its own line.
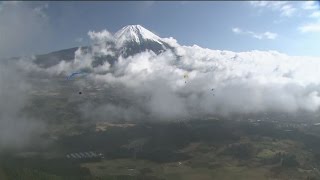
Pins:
<point x="135" y="33"/>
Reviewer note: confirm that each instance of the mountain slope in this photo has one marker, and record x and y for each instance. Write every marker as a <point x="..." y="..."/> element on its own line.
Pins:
<point x="53" y="58"/>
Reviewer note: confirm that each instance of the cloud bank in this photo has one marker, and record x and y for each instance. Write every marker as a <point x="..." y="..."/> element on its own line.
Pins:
<point x="217" y="82"/>
<point x="22" y="24"/>
<point x="16" y="129"/>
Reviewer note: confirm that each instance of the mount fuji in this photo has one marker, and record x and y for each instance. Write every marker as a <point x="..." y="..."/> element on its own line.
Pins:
<point x="128" y="41"/>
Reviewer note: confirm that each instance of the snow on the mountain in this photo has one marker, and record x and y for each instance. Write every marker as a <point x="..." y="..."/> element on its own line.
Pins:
<point x="135" y="33"/>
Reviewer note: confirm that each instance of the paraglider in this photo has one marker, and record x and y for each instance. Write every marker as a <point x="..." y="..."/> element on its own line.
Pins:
<point x="185" y="76"/>
<point x="212" y="90"/>
<point x="76" y="75"/>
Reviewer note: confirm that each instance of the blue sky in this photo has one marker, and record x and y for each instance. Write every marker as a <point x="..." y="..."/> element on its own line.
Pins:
<point x="289" y="27"/>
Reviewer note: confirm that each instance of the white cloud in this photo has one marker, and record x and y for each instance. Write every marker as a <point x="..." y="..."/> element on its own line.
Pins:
<point x="312" y="27"/>
<point x="310" y="5"/>
<point x="315" y="14"/>
<point x="265" y="35"/>
<point x="270" y="35"/>
<point x="237" y="30"/>
<point x="100" y="36"/>
<point x="287" y="10"/>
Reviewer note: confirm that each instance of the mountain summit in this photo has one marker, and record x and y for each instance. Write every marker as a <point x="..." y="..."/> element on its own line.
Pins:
<point x="133" y="39"/>
<point x="137" y="34"/>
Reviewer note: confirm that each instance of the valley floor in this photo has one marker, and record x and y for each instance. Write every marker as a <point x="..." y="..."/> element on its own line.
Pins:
<point x="200" y="150"/>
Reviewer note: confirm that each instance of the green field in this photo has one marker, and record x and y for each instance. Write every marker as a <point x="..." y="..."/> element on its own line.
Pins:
<point x="208" y="163"/>
<point x="3" y="175"/>
<point x="172" y="171"/>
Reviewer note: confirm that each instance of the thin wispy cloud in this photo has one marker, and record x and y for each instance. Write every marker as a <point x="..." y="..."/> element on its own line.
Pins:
<point x="311" y="27"/>
<point x="258" y="3"/>
<point x="287" y="10"/>
<point x="283" y="7"/>
<point x="310" y="5"/>
<point x="264" y="35"/>
<point x="312" y="8"/>
<point x="79" y="39"/>
<point x="271" y="4"/>
<point x="40" y="10"/>
<point x="315" y="14"/>
<point x="308" y="9"/>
